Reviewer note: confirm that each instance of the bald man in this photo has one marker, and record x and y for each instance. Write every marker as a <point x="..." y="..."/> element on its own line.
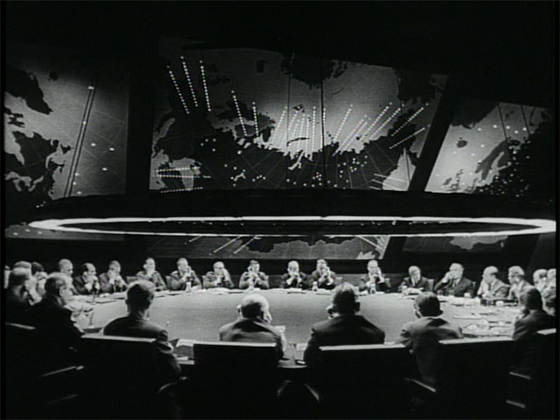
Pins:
<point x="454" y="283"/>
<point x="491" y="287"/>
<point x="87" y="283"/>
<point x="254" y="324"/>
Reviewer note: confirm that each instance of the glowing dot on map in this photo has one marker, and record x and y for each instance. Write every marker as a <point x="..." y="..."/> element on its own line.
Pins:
<point x="104" y="169"/>
<point x="93" y="144"/>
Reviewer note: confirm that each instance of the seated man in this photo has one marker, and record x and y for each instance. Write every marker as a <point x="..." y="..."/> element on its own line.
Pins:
<point x="540" y="279"/>
<point x="253" y="277"/>
<point x="491" y="287"/>
<point x="31" y="284"/>
<point x="532" y="318"/>
<point x="549" y="300"/>
<point x="87" y="283"/>
<point x="323" y="277"/>
<point x="112" y="281"/>
<point x="519" y="285"/>
<point x="56" y="330"/>
<point x="38" y="271"/>
<point x="374" y="281"/>
<point x="183" y="276"/>
<point x="294" y="278"/>
<point x="415" y="283"/>
<point x="454" y="284"/>
<point x="66" y="267"/>
<point x="422" y="336"/>
<point x="254" y="324"/>
<point x="16" y="300"/>
<point x="150" y="274"/>
<point x="344" y="325"/>
<point x="139" y="297"/>
<point x="220" y="277"/>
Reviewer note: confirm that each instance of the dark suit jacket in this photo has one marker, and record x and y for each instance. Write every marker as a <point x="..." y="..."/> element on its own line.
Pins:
<point x="129" y="326"/>
<point x="316" y="275"/>
<point x="525" y="349"/>
<point x="80" y="285"/>
<point x="464" y="285"/>
<point x="381" y="284"/>
<point x="341" y="330"/>
<point x="107" y="287"/>
<point x="57" y="334"/>
<point x="422" y="337"/>
<point x="304" y="284"/>
<point x="17" y="308"/>
<point x="423" y="284"/>
<point x="247" y="330"/>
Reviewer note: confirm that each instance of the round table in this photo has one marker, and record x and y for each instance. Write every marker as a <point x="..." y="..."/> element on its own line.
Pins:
<point x="199" y="315"/>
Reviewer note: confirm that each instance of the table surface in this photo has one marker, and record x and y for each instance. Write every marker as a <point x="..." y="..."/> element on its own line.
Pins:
<point x="199" y="315"/>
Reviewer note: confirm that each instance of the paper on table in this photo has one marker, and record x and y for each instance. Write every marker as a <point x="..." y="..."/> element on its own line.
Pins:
<point x="467" y="316"/>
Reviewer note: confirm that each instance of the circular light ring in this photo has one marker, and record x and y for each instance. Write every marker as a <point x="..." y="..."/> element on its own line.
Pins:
<point x="289" y="224"/>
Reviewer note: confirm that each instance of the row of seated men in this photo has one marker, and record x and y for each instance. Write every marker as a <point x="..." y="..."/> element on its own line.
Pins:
<point x="58" y="331"/>
<point x="184" y="277"/>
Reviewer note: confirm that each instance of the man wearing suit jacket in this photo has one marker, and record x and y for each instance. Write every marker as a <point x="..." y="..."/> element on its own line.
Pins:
<point x="422" y="336"/>
<point x="87" y="283"/>
<point x="139" y="297"/>
<point x="491" y="287"/>
<point x="415" y="281"/>
<point x="254" y="324"/>
<point x="454" y="284"/>
<point x="532" y="318"/>
<point x="344" y="325"/>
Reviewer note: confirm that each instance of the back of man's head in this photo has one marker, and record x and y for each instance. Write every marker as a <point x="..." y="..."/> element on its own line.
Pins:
<point x="36" y="268"/>
<point x="23" y="264"/>
<point x="345" y="299"/>
<point x="18" y="277"/>
<point x="531" y="299"/>
<point x="140" y="295"/>
<point x="253" y="306"/>
<point x="55" y="281"/>
<point x="427" y="304"/>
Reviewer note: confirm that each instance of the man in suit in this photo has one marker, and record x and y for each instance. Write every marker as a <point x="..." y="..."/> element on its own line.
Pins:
<point x="16" y="300"/>
<point x="345" y="326"/>
<point x="454" y="284"/>
<point x="57" y="333"/>
<point x="415" y="282"/>
<point x="219" y="277"/>
<point x="491" y="287"/>
<point x="516" y="277"/>
<point x="323" y="276"/>
<point x="422" y="336"/>
<point x="87" y="283"/>
<point x="254" y="324"/>
<point x="179" y="279"/>
<point x="112" y="281"/>
<point x="253" y="277"/>
<point x="294" y="278"/>
<point x="532" y="318"/>
<point x="374" y="281"/>
<point x="139" y="298"/>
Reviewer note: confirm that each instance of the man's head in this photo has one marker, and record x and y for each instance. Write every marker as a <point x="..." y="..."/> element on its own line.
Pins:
<point x="489" y="274"/>
<point x="372" y="266"/>
<point x="321" y="264"/>
<point x="293" y="266"/>
<point x="18" y="276"/>
<point x="66" y="267"/>
<point x="531" y="299"/>
<point x="58" y="287"/>
<point x="88" y="270"/>
<point x="539" y="275"/>
<point x="115" y="266"/>
<point x="140" y="295"/>
<point x="219" y="268"/>
<point x="456" y="270"/>
<point x="24" y="264"/>
<point x="254" y="266"/>
<point x="551" y="275"/>
<point x="36" y="268"/>
<point x="345" y="299"/>
<point x="182" y="264"/>
<point x="414" y="272"/>
<point x="549" y="299"/>
<point x="427" y="304"/>
<point x="150" y="264"/>
<point x="255" y="306"/>
<point x="515" y="274"/>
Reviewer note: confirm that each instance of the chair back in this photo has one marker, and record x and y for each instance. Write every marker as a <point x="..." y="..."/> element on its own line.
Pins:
<point x="236" y="379"/>
<point x="472" y="375"/>
<point x="362" y="381"/>
<point x="546" y="388"/>
<point x="121" y="375"/>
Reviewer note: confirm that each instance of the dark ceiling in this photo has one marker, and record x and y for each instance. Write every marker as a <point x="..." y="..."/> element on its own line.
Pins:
<point x="498" y="50"/>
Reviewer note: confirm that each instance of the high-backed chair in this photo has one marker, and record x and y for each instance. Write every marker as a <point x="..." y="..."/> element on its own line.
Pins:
<point x="535" y="395"/>
<point x="233" y="380"/>
<point x="121" y="377"/>
<point x="362" y="381"/>
<point x="471" y="380"/>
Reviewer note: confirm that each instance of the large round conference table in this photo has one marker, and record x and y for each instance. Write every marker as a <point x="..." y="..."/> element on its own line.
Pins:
<point x="198" y="315"/>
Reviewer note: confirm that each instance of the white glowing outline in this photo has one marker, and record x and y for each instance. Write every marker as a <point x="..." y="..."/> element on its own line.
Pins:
<point x="534" y="226"/>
